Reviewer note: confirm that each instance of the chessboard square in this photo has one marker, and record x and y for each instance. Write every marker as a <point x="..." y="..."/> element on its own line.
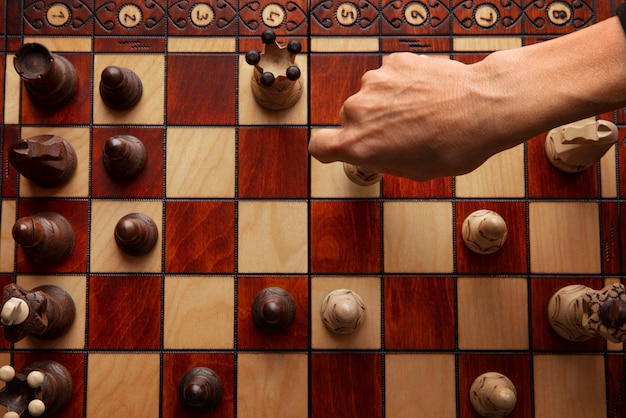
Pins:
<point x="272" y="237"/>
<point x="404" y="188"/>
<point x="330" y="180"/>
<point x="193" y="99"/>
<point x="201" y="162"/>
<point x="500" y="322"/>
<point x="149" y="110"/>
<point x="431" y="297"/>
<point x="564" y="237"/>
<point x="273" y="163"/>
<point x="608" y="173"/>
<point x="368" y="336"/>
<point x="78" y="183"/>
<point x="10" y="176"/>
<point x="418" y="237"/>
<point x="74" y="338"/>
<point x="560" y="378"/>
<point x="200" y="237"/>
<point x="106" y="256"/>
<point x="7" y="243"/>
<point x="118" y="318"/>
<point x="199" y="312"/>
<point x="345" y="237"/>
<point x="5" y="344"/>
<point x="284" y="391"/>
<point x="420" y="382"/>
<point x="132" y="380"/>
<point x="12" y="93"/>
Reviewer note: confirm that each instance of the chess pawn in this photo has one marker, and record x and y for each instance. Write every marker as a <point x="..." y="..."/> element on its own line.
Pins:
<point x="124" y="156"/>
<point x="273" y="309"/>
<point x="44" y="387"/>
<point x="200" y="388"/>
<point x="578" y="145"/>
<point x="45" y="237"/>
<point x="275" y="83"/>
<point x="493" y="395"/>
<point x="136" y="234"/>
<point x="50" y="79"/>
<point x="579" y="313"/>
<point x="45" y="312"/>
<point x="46" y="160"/>
<point x="343" y="311"/>
<point x="361" y="175"/>
<point x="484" y="231"/>
<point x="120" y="88"/>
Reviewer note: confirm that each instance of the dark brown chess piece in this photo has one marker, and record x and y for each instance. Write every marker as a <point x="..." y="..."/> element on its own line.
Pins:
<point x="46" y="160"/>
<point x="45" y="312"/>
<point x="50" y="79"/>
<point x="200" y="388"/>
<point x="136" y="234"/>
<point x="124" y="156"/>
<point x="273" y="309"/>
<point x="120" y="88"/>
<point x="45" y="237"/>
<point x="42" y="388"/>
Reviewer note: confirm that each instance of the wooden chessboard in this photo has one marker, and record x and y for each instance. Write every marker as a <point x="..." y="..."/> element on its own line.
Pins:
<point x="240" y="205"/>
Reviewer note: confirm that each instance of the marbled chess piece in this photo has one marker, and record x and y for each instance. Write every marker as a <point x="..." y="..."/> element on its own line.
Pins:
<point x="124" y="156"/>
<point x="45" y="237"/>
<point x="343" y="311"/>
<point x="136" y="234"/>
<point x="120" y="88"/>
<point x="484" y="231"/>
<point x="493" y="395"/>
<point x="273" y="309"/>
<point x="200" y="389"/>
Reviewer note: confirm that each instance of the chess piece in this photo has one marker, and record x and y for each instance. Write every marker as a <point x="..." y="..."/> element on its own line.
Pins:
<point x="493" y="395"/>
<point x="44" y="387"/>
<point x="578" y="145"/>
<point x="361" y="175"/>
<point x="579" y="313"/>
<point x="136" y="234"/>
<point x="46" y="160"/>
<point x="120" y="88"/>
<point x="45" y="312"/>
<point x="50" y="80"/>
<point x="484" y="231"/>
<point x="200" y="388"/>
<point x="124" y="156"/>
<point x="343" y="311"/>
<point x="275" y="83"/>
<point x="273" y="309"/>
<point x="45" y="237"/>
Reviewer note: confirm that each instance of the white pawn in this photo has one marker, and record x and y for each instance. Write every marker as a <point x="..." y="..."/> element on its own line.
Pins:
<point x="361" y="175"/>
<point x="484" y="231"/>
<point x="493" y="395"/>
<point x="343" y="311"/>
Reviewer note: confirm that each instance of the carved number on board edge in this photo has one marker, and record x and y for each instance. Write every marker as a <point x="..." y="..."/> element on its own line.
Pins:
<point x="201" y="17"/>
<point x="272" y="16"/>
<point x="488" y="19"/>
<point x="128" y="17"/>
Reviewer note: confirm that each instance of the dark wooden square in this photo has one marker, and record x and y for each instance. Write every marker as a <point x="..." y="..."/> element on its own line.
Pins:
<point x="611" y="239"/>
<point x="398" y="187"/>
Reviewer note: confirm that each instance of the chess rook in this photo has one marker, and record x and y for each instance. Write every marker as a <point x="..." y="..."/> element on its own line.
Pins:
<point x="361" y="175"/>
<point x="200" y="388"/>
<point x="493" y="395"/>
<point x="124" y="156"/>
<point x="343" y="311"/>
<point x="120" y="88"/>
<point x="484" y="231"/>
<point x="50" y="79"/>
<point x="45" y="237"/>
<point x="273" y="309"/>
<point x="136" y="234"/>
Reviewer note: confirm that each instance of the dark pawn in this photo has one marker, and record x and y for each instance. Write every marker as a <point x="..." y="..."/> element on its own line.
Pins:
<point x="46" y="160"/>
<point x="124" y="156"/>
<point x="120" y="88"/>
<point x="45" y="237"/>
<point x="136" y="234"/>
<point x="200" y="388"/>
<point x="50" y="79"/>
<point x="273" y="309"/>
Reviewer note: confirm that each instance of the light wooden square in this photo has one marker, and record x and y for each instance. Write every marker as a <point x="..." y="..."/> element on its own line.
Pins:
<point x="105" y="255"/>
<point x="200" y="162"/>
<point x="7" y="243"/>
<point x="284" y="391"/>
<point x="564" y="237"/>
<point x="199" y="312"/>
<point x="418" y="237"/>
<point x="493" y="313"/>
<point x="273" y="237"/>
<point x="608" y="174"/>
<point x="12" y="89"/>
<point x="330" y="180"/>
<point x="368" y="336"/>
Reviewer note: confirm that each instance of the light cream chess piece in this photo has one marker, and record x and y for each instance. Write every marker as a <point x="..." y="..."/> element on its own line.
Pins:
<point x="493" y="395"/>
<point x="484" y="231"/>
<point x="361" y="175"/>
<point x="343" y="311"/>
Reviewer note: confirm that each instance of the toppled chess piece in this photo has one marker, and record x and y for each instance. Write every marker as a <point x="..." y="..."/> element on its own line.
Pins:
<point x="579" y="145"/>
<point x="45" y="312"/>
<point x="343" y="311"/>
<point x="46" y="160"/>
<point x="361" y="175"/>
<point x="45" y="237"/>
<point x="275" y="83"/>
<point x="136" y="234"/>
<point x="493" y="395"/>
<point x="579" y="313"/>
<point x="484" y="231"/>
<point x="124" y="156"/>
<point x="42" y="388"/>
<point x="200" y="388"/>
<point x="120" y="88"/>
<point x="273" y="309"/>
<point x="50" y="79"/>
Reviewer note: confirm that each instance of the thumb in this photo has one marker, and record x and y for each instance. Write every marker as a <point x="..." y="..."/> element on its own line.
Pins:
<point x="324" y="145"/>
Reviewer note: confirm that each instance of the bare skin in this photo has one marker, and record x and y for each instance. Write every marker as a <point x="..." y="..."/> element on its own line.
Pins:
<point x="422" y="118"/>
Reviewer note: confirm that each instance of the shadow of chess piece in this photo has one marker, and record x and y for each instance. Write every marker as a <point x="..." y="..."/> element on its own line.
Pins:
<point x="50" y="79"/>
<point x="136" y="234"/>
<point x="120" y="88"/>
<point x="273" y="309"/>
<point x="45" y="237"/>
<point x="343" y="311"/>
<point x="493" y="395"/>
<point x="362" y="176"/>
<point x="124" y="156"/>
<point x="200" y="388"/>
<point x="45" y="312"/>
<point x="46" y="160"/>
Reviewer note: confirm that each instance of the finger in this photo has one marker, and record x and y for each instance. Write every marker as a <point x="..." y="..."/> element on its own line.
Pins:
<point x="324" y="145"/>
